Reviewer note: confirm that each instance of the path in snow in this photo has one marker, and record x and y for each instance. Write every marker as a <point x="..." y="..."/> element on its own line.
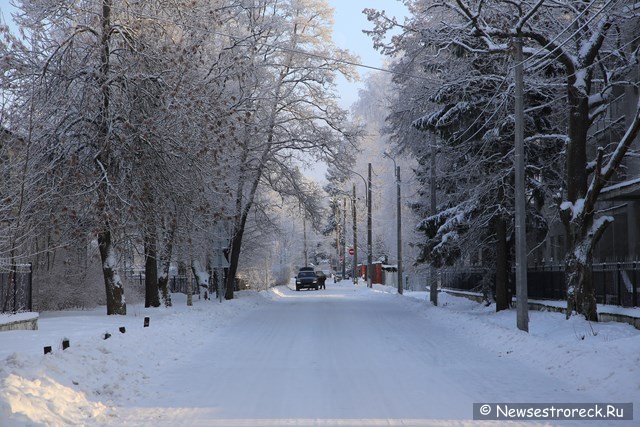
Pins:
<point x="343" y="356"/>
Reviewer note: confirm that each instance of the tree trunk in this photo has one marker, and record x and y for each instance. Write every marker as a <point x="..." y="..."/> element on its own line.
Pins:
<point x="213" y="279"/>
<point x="151" y="297"/>
<point x="502" y="265"/>
<point x="163" y="281"/>
<point x="185" y="274"/>
<point x="234" y="257"/>
<point x="196" y="272"/>
<point x="163" y="286"/>
<point x="576" y="159"/>
<point x="7" y="295"/>
<point x="580" y="291"/>
<point x="113" y="285"/>
<point x="242" y="212"/>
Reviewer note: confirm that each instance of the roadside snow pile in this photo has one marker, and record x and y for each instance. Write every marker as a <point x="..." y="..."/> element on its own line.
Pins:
<point x="45" y="401"/>
<point x="599" y="356"/>
<point x="80" y="384"/>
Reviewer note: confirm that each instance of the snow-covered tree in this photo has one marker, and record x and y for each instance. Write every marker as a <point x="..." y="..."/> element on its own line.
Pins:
<point x="290" y="102"/>
<point x="588" y="49"/>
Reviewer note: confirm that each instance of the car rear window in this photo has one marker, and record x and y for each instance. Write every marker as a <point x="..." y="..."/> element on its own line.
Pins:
<point x="306" y="274"/>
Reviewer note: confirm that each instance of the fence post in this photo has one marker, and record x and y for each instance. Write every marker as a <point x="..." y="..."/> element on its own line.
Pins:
<point x="634" y="285"/>
<point x="13" y="276"/>
<point x="618" y="284"/>
<point x="30" y="286"/>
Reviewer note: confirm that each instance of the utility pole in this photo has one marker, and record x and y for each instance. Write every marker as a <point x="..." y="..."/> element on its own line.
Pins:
<point x="355" y="238"/>
<point x="304" y="232"/>
<point x="369" y="238"/>
<point x="337" y="264"/>
<point x="344" y="236"/>
<point x="399" y="225"/>
<point x="520" y="220"/>
<point x="433" y="287"/>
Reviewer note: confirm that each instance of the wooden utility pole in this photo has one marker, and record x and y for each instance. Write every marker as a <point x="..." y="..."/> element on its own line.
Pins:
<point x="337" y="265"/>
<point x="344" y="237"/>
<point x="433" y="286"/>
<point x="355" y="237"/>
<point x="369" y="237"/>
<point x="399" y="225"/>
<point x="304" y="233"/>
<point x="520" y="220"/>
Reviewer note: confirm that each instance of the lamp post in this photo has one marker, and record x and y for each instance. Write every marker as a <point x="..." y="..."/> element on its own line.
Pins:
<point x="369" y="234"/>
<point x="433" y="286"/>
<point x="344" y="237"/>
<point x="367" y="188"/>
<point x="522" y="304"/>
<point x="396" y="169"/>
<point x="355" y="237"/>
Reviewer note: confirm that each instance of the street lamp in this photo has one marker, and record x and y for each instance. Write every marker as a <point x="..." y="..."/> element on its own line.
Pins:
<point x="399" y="222"/>
<point x="367" y="186"/>
<point x="356" y="273"/>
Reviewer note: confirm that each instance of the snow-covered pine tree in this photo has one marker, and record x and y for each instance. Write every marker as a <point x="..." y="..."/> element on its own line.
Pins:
<point x="586" y="50"/>
<point x="465" y="100"/>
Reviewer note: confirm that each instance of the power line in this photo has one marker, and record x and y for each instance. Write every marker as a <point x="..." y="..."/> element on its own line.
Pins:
<point x="315" y="55"/>
<point x="497" y="91"/>
<point x="543" y="48"/>
<point x="577" y="31"/>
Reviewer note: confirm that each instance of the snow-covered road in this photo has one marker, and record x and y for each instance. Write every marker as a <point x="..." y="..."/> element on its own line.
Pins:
<point x="338" y="356"/>
<point x="344" y="356"/>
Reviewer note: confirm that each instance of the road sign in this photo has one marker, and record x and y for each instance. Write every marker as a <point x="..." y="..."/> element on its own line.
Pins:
<point x="351" y="251"/>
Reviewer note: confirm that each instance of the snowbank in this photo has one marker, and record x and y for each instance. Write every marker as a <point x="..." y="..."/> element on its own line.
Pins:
<point x="77" y="386"/>
<point x="599" y="356"/>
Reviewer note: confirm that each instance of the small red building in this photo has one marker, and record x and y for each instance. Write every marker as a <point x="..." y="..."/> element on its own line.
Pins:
<point x="376" y="277"/>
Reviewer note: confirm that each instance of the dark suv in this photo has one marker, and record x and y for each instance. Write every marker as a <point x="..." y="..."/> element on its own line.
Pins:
<point x="306" y="279"/>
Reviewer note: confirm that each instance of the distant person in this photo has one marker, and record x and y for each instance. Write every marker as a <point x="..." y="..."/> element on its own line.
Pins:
<point x="322" y="278"/>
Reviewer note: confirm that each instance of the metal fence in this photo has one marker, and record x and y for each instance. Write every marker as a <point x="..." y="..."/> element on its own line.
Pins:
<point x="614" y="283"/>
<point x="16" y="288"/>
<point x="177" y="284"/>
<point x="464" y="279"/>
<point x="180" y="284"/>
<point x="417" y="281"/>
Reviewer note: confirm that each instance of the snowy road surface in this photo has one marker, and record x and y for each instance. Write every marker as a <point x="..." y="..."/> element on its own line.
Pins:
<point x="343" y="356"/>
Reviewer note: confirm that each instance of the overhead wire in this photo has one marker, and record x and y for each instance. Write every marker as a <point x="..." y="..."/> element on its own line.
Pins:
<point x="539" y="61"/>
<point x="312" y="54"/>
<point x="570" y="37"/>
<point x="497" y="91"/>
